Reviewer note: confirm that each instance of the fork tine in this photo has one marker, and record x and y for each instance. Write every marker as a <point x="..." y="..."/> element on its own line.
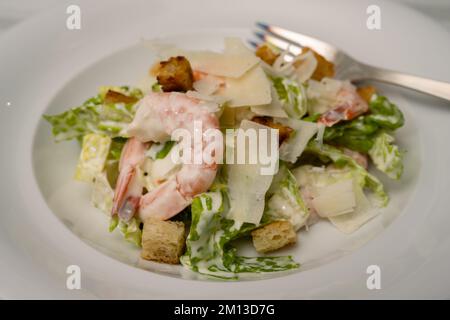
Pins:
<point x="253" y="44"/>
<point x="279" y="43"/>
<point x="262" y="25"/>
<point x="260" y="35"/>
<point x="300" y="40"/>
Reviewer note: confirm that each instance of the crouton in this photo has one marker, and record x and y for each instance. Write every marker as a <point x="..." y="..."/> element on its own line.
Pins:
<point x="273" y="236"/>
<point x="175" y="74"/>
<point x="283" y="131"/>
<point x="163" y="241"/>
<point x="324" y="69"/>
<point x="266" y="54"/>
<point x="117" y="97"/>
<point x="366" y="92"/>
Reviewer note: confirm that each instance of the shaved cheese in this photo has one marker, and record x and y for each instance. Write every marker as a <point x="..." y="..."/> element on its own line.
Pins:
<point x="363" y="212"/>
<point x="233" y="63"/>
<point x="219" y="64"/>
<point x="274" y="109"/>
<point x="208" y="85"/>
<point x="335" y="199"/>
<point x="292" y="148"/>
<point x="247" y="187"/>
<point x="252" y="89"/>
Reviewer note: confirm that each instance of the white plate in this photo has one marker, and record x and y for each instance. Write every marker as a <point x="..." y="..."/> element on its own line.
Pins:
<point x="44" y="213"/>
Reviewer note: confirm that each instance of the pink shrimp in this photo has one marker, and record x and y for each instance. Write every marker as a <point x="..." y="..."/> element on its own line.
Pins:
<point x="349" y="105"/>
<point x="158" y="115"/>
<point x="128" y="188"/>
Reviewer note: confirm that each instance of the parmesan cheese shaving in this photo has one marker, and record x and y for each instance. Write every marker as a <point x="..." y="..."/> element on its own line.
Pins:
<point x="252" y="89"/>
<point x="247" y="187"/>
<point x="335" y="199"/>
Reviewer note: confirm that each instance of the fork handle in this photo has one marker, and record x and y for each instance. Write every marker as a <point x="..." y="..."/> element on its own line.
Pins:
<point x="433" y="87"/>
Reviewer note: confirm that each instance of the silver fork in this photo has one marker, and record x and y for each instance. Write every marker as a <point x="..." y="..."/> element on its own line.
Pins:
<point x="347" y="67"/>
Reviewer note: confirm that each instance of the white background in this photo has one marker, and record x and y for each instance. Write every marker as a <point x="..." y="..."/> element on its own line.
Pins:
<point x="14" y="11"/>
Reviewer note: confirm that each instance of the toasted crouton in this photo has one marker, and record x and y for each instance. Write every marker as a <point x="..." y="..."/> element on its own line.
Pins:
<point x="274" y="236"/>
<point x="117" y="97"/>
<point x="283" y="131"/>
<point x="175" y="74"/>
<point x="366" y="92"/>
<point x="266" y="54"/>
<point x="163" y="241"/>
<point x="324" y="69"/>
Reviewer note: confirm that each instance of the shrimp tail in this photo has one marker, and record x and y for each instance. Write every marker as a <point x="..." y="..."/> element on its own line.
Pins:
<point x="128" y="188"/>
<point x="124" y="204"/>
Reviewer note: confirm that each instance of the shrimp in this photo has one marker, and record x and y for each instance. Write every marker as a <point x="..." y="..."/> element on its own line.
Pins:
<point x="158" y="115"/>
<point x="349" y="105"/>
<point x="128" y="188"/>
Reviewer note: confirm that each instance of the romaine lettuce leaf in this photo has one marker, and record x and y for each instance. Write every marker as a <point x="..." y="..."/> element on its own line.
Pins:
<point x="384" y="113"/>
<point x="284" y="201"/>
<point x="102" y="193"/>
<point x="291" y="95"/>
<point x="131" y="230"/>
<point x="359" y="134"/>
<point x="95" y="116"/>
<point x="208" y="245"/>
<point x="386" y="156"/>
<point x="94" y="152"/>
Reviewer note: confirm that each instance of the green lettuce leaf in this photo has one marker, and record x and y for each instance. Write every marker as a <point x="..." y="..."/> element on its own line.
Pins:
<point x="359" y="134"/>
<point x="386" y="156"/>
<point x="156" y="87"/>
<point x="102" y="193"/>
<point x="209" y="251"/>
<point x="131" y="230"/>
<point x="364" y="178"/>
<point x="93" y="155"/>
<point x="291" y="95"/>
<point x="284" y="201"/>
<point x="94" y="116"/>
<point x="165" y="150"/>
<point x="384" y="113"/>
